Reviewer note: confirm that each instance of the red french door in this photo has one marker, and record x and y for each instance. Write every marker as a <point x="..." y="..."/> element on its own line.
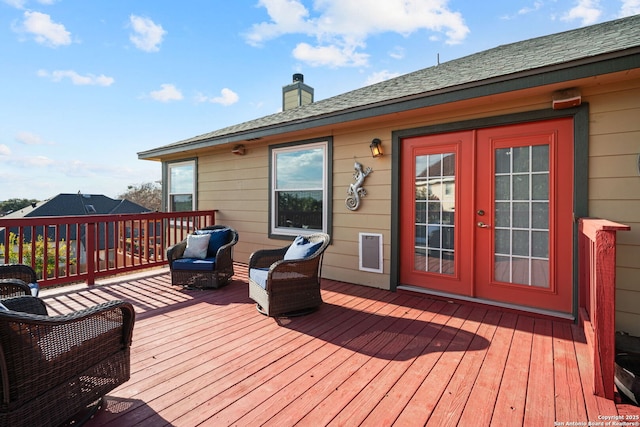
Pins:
<point x="488" y="214"/>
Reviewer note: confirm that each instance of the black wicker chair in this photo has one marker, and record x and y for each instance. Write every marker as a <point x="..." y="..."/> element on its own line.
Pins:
<point x="212" y="271"/>
<point x="283" y="285"/>
<point x="16" y="280"/>
<point x="54" y="367"/>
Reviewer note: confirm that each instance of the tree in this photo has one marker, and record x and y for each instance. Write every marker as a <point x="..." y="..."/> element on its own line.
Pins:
<point x="15" y="205"/>
<point x="148" y="195"/>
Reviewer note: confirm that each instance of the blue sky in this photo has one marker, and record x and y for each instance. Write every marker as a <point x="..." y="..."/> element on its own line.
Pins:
<point x="85" y="85"/>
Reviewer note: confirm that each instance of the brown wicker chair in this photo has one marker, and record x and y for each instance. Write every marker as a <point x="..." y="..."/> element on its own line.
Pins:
<point x="287" y="287"/>
<point x="16" y="280"/>
<point x="213" y="271"/>
<point x="54" y="367"/>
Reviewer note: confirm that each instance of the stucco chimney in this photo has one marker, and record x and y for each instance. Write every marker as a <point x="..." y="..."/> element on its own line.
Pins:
<point x="296" y="93"/>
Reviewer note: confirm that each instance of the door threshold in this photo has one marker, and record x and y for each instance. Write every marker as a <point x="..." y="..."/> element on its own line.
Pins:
<point x="521" y="308"/>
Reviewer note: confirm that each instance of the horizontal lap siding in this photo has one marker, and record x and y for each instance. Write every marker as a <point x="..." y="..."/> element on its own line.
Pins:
<point x="614" y="185"/>
<point x="238" y="185"/>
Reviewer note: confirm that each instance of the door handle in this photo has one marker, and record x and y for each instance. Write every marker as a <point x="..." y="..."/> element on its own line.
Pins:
<point x="483" y="225"/>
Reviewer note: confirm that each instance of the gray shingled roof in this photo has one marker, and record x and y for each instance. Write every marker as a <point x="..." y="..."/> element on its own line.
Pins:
<point x="69" y="204"/>
<point x="530" y="57"/>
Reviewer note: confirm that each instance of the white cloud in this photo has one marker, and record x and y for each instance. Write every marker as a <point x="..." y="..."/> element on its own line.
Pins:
<point x="380" y="76"/>
<point x="587" y="11"/>
<point x="168" y="93"/>
<point x="18" y="4"/>
<point x="44" y="30"/>
<point x="5" y="150"/>
<point x="37" y="161"/>
<point x="397" y="53"/>
<point x="77" y="79"/>
<point x="341" y="27"/>
<point x="227" y="97"/>
<point x="537" y="5"/>
<point x="147" y="35"/>
<point x="629" y="7"/>
<point x="330" y="56"/>
<point x="28" y="138"/>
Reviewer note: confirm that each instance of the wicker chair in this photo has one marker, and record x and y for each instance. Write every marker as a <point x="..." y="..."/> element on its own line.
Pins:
<point x="54" y="367"/>
<point x="214" y="271"/>
<point x="282" y="285"/>
<point x="16" y="280"/>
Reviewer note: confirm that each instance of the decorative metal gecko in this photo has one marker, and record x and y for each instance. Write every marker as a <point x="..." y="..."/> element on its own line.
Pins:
<point x="355" y="191"/>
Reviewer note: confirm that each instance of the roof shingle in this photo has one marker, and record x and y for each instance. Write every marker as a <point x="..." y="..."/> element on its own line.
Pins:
<point x="500" y="63"/>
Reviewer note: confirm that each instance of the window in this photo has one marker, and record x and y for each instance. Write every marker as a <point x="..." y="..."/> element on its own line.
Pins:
<point x="300" y="181"/>
<point x="182" y="183"/>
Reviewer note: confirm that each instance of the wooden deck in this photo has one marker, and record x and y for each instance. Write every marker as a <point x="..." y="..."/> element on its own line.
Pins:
<point x="367" y="357"/>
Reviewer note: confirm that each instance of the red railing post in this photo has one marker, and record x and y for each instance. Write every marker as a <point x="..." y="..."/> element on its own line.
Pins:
<point x="91" y="253"/>
<point x="597" y="287"/>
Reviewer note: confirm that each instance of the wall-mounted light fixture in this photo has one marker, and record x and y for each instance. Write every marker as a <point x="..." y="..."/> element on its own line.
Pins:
<point x="238" y="150"/>
<point x="566" y="98"/>
<point x="376" y="148"/>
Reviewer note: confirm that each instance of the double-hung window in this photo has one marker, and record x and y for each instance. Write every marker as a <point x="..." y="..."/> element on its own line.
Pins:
<point x="181" y="177"/>
<point x="300" y="196"/>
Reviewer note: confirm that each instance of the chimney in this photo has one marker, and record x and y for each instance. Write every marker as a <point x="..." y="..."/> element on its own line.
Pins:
<point x="296" y="94"/>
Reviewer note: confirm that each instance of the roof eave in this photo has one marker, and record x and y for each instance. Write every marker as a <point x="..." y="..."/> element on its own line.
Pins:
<point x="586" y="67"/>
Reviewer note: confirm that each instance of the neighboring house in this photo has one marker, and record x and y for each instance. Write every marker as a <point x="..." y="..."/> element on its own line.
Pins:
<point x="488" y="162"/>
<point x="74" y="205"/>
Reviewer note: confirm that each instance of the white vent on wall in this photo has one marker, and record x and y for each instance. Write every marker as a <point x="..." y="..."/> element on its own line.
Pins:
<point x="371" y="252"/>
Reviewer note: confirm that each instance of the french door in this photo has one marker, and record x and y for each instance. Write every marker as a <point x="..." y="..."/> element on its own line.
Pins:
<point x="488" y="213"/>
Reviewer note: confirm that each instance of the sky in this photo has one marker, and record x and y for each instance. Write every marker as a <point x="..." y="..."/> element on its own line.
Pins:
<point x="86" y="85"/>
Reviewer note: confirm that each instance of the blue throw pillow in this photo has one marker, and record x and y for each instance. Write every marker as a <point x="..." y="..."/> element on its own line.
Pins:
<point x="301" y="248"/>
<point x="217" y="239"/>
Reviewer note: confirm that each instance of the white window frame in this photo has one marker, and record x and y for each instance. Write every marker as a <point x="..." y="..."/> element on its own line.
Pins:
<point x="193" y="192"/>
<point x="274" y="230"/>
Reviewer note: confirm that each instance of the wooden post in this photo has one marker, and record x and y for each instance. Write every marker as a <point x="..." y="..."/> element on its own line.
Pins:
<point x="91" y="253"/>
<point x="597" y="283"/>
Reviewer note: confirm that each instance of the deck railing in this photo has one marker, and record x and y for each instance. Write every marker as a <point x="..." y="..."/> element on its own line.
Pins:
<point x="597" y="293"/>
<point x="81" y="248"/>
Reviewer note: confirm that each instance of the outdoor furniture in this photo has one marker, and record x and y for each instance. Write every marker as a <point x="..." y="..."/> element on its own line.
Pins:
<point x="204" y="259"/>
<point x="55" y="367"/>
<point x="286" y="281"/>
<point x="18" y="279"/>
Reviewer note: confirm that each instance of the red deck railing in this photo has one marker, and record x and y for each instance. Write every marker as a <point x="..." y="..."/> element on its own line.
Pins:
<point x="81" y="248"/>
<point x="597" y="293"/>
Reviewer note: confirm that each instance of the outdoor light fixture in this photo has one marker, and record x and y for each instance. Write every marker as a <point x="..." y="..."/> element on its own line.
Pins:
<point x="238" y="150"/>
<point x="376" y="148"/>
<point x="566" y="98"/>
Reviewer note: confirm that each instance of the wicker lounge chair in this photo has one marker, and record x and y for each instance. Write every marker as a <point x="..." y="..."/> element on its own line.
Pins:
<point x="284" y="284"/>
<point x="212" y="269"/>
<point x="16" y="280"/>
<point x="54" y="367"/>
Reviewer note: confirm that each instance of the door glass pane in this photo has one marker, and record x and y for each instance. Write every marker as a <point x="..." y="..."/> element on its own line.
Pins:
<point x="435" y="185"/>
<point x="503" y="160"/>
<point x="540" y="215"/>
<point x="521" y="206"/>
<point x="503" y="214"/>
<point x="540" y="158"/>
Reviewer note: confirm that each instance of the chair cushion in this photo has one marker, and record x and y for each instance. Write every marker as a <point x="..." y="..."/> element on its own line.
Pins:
<point x="217" y="238"/>
<point x="194" y="264"/>
<point x="197" y="246"/>
<point x="259" y="275"/>
<point x="3" y="307"/>
<point x="301" y="248"/>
